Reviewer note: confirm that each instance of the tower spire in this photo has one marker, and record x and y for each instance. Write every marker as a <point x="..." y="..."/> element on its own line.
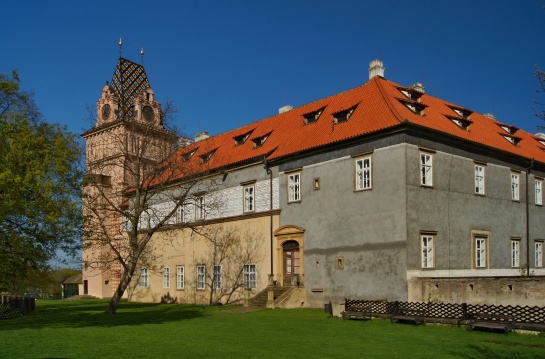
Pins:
<point x="120" y="47"/>
<point x="142" y="56"/>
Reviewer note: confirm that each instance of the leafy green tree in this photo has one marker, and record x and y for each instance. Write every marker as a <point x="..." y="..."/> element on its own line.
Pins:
<point x="40" y="186"/>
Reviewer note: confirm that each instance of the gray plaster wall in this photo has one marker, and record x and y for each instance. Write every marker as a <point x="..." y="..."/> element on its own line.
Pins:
<point x="366" y="230"/>
<point x="452" y="209"/>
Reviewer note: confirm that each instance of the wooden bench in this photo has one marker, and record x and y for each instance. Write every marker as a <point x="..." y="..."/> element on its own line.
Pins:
<point x="356" y="311"/>
<point x="416" y="316"/>
<point x="491" y="321"/>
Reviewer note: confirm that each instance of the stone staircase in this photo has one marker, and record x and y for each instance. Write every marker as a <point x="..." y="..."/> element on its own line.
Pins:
<point x="260" y="300"/>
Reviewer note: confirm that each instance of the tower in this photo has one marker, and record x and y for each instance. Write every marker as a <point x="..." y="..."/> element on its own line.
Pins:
<point x="128" y="134"/>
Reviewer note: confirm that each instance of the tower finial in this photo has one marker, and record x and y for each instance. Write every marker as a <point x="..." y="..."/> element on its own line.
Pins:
<point x="120" y="47"/>
<point x="142" y="55"/>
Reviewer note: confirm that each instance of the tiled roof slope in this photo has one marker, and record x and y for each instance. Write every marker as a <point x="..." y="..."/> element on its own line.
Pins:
<point x="379" y="104"/>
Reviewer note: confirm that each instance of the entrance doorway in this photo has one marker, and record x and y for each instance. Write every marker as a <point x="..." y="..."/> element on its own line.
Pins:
<point x="292" y="263"/>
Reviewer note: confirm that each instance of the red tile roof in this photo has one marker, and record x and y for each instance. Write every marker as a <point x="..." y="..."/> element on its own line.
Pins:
<point x="379" y="105"/>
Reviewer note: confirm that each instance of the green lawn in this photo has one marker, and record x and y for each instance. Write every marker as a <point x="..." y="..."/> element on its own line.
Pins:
<point x="79" y="329"/>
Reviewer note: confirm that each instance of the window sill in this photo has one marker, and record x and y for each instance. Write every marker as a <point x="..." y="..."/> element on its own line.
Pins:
<point x="363" y="189"/>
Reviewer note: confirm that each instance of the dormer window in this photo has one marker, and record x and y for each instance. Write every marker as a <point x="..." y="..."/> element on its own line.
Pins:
<point x="313" y="116"/>
<point x="508" y="128"/>
<point x="415" y="107"/>
<point x="513" y="139"/>
<point x="344" y="116"/>
<point x="461" y="112"/>
<point x="411" y="94"/>
<point x="463" y="123"/>
<point x="187" y="156"/>
<point x="206" y="157"/>
<point x="259" y="141"/>
<point x="239" y="140"/>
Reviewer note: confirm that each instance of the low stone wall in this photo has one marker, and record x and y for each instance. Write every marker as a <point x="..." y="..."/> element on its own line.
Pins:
<point x="521" y="291"/>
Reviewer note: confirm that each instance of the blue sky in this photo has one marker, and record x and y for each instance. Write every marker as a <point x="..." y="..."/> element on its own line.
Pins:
<point x="228" y="63"/>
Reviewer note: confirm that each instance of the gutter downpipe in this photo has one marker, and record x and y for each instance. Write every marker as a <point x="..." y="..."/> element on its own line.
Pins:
<point x="269" y="172"/>
<point x="528" y="220"/>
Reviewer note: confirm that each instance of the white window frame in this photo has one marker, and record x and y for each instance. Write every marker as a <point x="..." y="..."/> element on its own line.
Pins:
<point x="428" y="251"/>
<point x="294" y="187"/>
<point x="180" y="277"/>
<point x="363" y="173"/>
<point x="481" y="251"/>
<point x="539" y="192"/>
<point x="250" y="276"/>
<point x="538" y="246"/>
<point x="181" y="214"/>
<point x="144" y="278"/>
<point x="166" y="277"/>
<point x="515" y="253"/>
<point x="201" y="277"/>
<point x="249" y="198"/>
<point x="426" y="169"/>
<point x="515" y="186"/>
<point x="200" y="212"/>
<point x="216" y="283"/>
<point x="479" y="179"/>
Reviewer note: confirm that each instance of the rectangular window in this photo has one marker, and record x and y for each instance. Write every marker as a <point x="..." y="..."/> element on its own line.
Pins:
<point x="199" y="208"/>
<point x="144" y="278"/>
<point x="166" y="277"/>
<point x="539" y="192"/>
<point x="180" y="280"/>
<point x="426" y="169"/>
<point x="216" y="284"/>
<point x="249" y="200"/>
<point x="479" y="179"/>
<point x="363" y="173"/>
<point x="294" y="187"/>
<point x="180" y="214"/>
<point x="250" y="276"/>
<point x="515" y="180"/>
<point x="201" y="277"/>
<point x="427" y="251"/>
<point x="481" y="252"/>
<point x="539" y="254"/>
<point x="515" y="253"/>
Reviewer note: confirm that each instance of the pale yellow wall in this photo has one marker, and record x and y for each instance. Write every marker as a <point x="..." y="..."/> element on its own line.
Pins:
<point x="175" y="247"/>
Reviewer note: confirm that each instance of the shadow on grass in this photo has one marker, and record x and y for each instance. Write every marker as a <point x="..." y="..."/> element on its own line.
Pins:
<point x="90" y="313"/>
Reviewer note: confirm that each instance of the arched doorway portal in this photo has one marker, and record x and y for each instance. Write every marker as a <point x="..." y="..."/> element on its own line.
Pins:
<point x="292" y="263"/>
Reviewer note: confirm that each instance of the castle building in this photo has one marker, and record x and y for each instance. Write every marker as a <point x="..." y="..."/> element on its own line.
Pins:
<point x="378" y="192"/>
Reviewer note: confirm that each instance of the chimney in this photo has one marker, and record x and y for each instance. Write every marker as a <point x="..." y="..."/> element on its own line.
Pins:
<point x="376" y="68"/>
<point x="201" y="136"/>
<point x="418" y="87"/>
<point x="490" y="116"/>
<point x="285" y="109"/>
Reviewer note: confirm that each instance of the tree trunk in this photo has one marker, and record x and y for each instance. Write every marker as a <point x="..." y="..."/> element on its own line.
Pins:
<point x="123" y="284"/>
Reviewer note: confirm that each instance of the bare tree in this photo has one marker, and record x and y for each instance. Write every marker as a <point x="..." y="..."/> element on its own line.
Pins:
<point x="133" y="189"/>
<point x="229" y="250"/>
<point x="539" y="107"/>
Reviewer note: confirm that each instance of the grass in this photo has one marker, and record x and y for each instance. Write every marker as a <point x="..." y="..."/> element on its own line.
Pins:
<point x="79" y="329"/>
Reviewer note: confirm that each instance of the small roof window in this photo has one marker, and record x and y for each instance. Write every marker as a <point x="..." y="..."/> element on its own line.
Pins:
<point x="241" y="139"/>
<point x="313" y="116"/>
<point x="461" y="122"/>
<point x="259" y="141"/>
<point x="187" y="156"/>
<point x="414" y="106"/>
<point x="206" y="157"/>
<point x="411" y="94"/>
<point x="513" y="139"/>
<point x="461" y="112"/>
<point x="345" y="115"/>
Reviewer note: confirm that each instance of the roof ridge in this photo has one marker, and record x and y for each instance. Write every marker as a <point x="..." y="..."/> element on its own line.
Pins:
<point x="387" y="100"/>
